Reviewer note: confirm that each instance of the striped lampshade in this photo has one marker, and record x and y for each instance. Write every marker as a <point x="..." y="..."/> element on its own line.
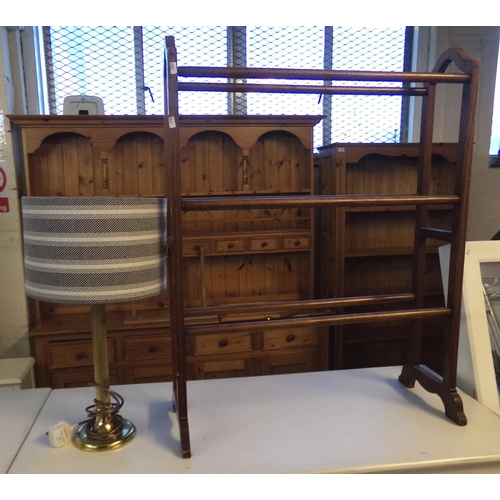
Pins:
<point x="94" y="250"/>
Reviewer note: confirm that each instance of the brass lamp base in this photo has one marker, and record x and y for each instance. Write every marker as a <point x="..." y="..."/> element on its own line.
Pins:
<point x="120" y="432"/>
<point x="105" y="429"/>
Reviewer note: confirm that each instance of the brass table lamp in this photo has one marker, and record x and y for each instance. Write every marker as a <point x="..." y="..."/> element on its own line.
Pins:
<point x="95" y="251"/>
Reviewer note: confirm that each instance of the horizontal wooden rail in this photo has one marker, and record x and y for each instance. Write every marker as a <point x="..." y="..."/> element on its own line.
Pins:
<point x="319" y="74"/>
<point x="300" y="89"/>
<point x="298" y="305"/>
<point x="311" y="201"/>
<point x="315" y="321"/>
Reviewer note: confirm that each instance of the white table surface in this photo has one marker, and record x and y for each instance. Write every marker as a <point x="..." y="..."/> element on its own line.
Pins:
<point x="18" y="412"/>
<point x="342" y="421"/>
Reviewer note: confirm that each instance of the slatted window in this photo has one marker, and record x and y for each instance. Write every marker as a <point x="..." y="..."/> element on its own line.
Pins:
<point x="124" y="66"/>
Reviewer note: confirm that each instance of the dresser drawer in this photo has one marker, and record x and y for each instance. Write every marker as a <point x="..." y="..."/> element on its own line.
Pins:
<point x="290" y="363"/>
<point x="230" y="245"/>
<point x="192" y="247"/>
<point x="288" y="338"/>
<point x="221" y="344"/>
<point x="147" y="374"/>
<point x="66" y="379"/>
<point x="263" y="244"/>
<point x="146" y="348"/>
<point x="75" y="353"/>
<point x="289" y="243"/>
<point x="222" y="369"/>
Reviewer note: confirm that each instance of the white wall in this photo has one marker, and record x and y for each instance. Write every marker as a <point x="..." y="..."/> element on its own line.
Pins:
<point x="484" y="208"/>
<point x="480" y="42"/>
<point x="13" y="311"/>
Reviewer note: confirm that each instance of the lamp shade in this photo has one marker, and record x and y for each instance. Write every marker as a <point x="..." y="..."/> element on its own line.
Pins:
<point x="94" y="250"/>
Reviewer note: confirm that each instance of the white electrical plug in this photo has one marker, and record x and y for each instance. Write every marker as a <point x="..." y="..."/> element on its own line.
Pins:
<point x="60" y="434"/>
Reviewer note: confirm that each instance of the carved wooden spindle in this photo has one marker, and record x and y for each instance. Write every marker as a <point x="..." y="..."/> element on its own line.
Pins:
<point x="245" y="153"/>
<point x="105" y="170"/>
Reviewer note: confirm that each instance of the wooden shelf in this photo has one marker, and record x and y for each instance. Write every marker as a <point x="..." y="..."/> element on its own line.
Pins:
<point x="247" y="192"/>
<point x="386" y="251"/>
<point x="373" y="248"/>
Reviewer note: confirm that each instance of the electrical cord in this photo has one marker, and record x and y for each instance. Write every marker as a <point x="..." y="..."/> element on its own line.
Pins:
<point x="104" y="422"/>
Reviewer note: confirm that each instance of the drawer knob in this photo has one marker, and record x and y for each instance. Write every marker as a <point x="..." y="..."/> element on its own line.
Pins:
<point x="223" y="343"/>
<point x="263" y="244"/>
<point x="153" y="348"/>
<point x="80" y="355"/>
<point x="230" y="245"/>
<point x="290" y="338"/>
<point x="297" y="243"/>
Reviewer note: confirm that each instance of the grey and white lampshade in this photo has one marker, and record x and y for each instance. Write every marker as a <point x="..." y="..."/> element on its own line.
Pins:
<point x="94" y="250"/>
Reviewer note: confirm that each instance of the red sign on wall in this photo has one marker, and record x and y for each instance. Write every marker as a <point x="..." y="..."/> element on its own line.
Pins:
<point x="4" y="202"/>
<point x="3" y="179"/>
<point x="4" y="205"/>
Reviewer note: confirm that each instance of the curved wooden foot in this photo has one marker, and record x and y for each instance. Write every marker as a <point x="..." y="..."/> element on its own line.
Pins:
<point x="407" y="377"/>
<point x="454" y="408"/>
<point x="453" y="405"/>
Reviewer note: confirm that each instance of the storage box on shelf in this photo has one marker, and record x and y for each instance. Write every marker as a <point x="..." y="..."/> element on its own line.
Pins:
<point x="369" y="250"/>
<point x="236" y="257"/>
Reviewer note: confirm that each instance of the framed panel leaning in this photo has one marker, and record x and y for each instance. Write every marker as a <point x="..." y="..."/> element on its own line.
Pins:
<point x="478" y="340"/>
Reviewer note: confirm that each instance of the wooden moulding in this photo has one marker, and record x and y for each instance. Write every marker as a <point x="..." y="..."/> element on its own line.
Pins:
<point x="111" y="127"/>
<point x="353" y="152"/>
